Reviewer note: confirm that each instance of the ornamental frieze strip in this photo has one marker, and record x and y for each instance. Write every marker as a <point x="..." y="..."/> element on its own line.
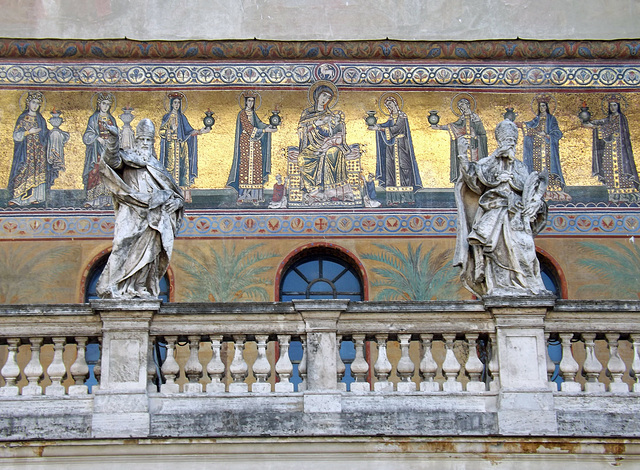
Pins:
<point x="318" y="50"/>
<point x="583" y="222"/>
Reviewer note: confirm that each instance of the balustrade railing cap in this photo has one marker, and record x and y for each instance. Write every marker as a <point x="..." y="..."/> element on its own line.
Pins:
<point x="321" y="304"/>
<point x="140" y="305"/>
<point x="539" y="301"/>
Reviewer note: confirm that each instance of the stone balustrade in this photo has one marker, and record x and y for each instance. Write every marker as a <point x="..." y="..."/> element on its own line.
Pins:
<point x="492" y="367"/>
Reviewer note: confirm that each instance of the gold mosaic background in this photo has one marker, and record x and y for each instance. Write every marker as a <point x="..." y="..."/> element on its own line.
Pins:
<point x="215" y="150"/>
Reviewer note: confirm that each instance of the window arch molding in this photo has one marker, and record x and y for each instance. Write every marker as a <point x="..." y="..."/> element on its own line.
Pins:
<point x="553" y="269"/>
<point x="312" y="250"/>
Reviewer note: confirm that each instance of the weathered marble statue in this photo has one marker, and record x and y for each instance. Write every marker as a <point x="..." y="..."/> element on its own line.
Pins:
<point x="149" y="209"/>
<point x="500" y="209"/>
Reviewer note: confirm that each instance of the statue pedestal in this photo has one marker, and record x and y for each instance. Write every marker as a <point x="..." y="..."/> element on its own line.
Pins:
<point x="321" y="324"/>
<point x="121" y="406"/>
<point x="525" y="403"/>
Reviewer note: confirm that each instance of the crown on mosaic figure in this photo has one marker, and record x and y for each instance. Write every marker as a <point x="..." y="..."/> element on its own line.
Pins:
<point x="249" y="94"/>
<point x="35" y="95"/>
<point x="544" y="98"/>
<point x="175" y="94"/>
<point x="103" y="96"/>
<point x="614" y="98"/>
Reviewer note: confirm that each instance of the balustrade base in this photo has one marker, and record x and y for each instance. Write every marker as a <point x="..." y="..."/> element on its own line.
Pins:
<point x="78" y="390"/>
<point x="322" y="402"/>
<point x="429" y="387"/>
<point x="192" y="388"/>
<point x="527" y="413"/>
<point x="406" y="387"/>
<point x="120" y="415"/>
<point x="258" y="387"/>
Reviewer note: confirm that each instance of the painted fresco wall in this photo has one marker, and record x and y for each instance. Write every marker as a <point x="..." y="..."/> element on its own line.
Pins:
<point x="322" y="174"/>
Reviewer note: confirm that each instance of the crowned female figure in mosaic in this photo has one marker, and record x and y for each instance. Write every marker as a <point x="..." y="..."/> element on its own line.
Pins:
<point x="251" y="152"/>
<point x="468" y="135"/>
<point x="95" y="138"/>
<point x="31" y="173"/>
<point x="179" y="143"/>
<point x="396" y="166"/>
<point x="323" y="150"/>
<point x="541" y="149"/>
<point x="612" y="155"/>
<point x="500" y="209"/>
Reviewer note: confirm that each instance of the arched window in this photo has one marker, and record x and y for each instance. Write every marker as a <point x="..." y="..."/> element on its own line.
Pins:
<point x="551" y="275"/>
<point x="321" y="273"/>
<point x="96" y="271"/>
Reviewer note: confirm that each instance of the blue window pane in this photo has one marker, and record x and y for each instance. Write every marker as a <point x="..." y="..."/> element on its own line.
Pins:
<point x="548" y="282"/>
<point x="321" y="287"/>
<point x="348" y="283"/>
<point x="331" y="270"/>
<point x="321" y="296"/>
<point x="293" y="282"/>
<point x="310" y="269"/>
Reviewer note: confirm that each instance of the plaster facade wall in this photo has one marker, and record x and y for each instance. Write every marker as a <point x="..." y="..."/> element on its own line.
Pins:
<point x="329" y="20"/>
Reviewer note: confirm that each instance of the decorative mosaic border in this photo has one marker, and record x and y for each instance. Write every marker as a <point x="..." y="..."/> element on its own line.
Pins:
<point x="217" y="224"/>
<point x="318" y="50"/>
<point x="251" y="74"/>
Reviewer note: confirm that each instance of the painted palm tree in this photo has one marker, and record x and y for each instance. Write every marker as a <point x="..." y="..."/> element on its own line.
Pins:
<point x="34" y="276"/>
<point x="616" y="267"/>
<point x="414" y="275"/>
<point x="227" y="276"/>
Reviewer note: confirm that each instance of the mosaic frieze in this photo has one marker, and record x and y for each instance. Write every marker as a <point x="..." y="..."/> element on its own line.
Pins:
<point x="352" y="132"/>
<point x="437" y="223"/>
<point x="315" y="146"/>
<point x="348" y="74"/>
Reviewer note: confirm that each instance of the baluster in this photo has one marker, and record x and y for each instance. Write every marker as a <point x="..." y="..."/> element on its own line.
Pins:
<point x="359" y="367"/>
<point x="568" y="365"/>
<point x="340" y="367"/>
<point x="494" y="364"/>
<point x="56" y="369"/>
<point x="261" y="367"/>
<point x="302" y="367"/>
<point x="170" y="368"/>
<point x="80" y="369"/>
<point x="616" y="365"/>
<point x="193" y="368"/>
<point x="284" y="367"/>
<point x="551" y="366"/>
<point x="428" y="366"/>
<point x="33" y="370"/>
<point x="151" y="366"/>
<point x="451" y="367"/>
<point x="215" y="368"/>
<point x="591" y="367"/>
<point x="97" y="369"/>
<point x="406" y="367"/>
<point x="474" y="366"/>
<point x="238" y="368"/>
<point x="635" y="364"/>
<point x="382" y="367"/>
<point x="10" y="371"/>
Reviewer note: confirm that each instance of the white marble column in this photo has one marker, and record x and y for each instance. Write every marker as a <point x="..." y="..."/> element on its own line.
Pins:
<point x="525" y="403"/>
<point x="121" y="406"/>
